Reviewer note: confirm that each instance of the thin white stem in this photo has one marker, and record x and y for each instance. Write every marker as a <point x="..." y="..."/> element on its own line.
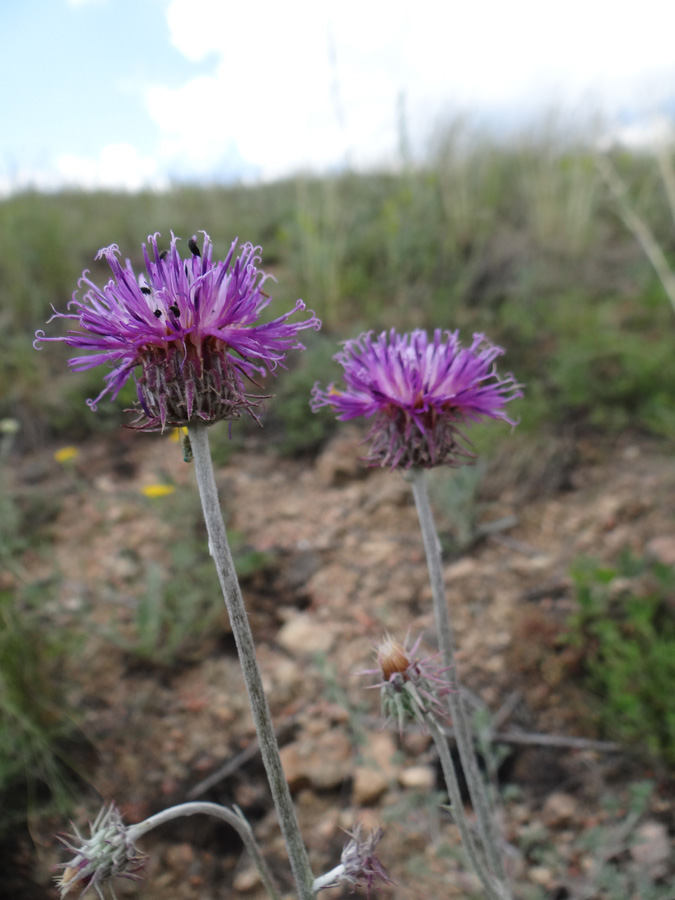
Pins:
<point x="663" y="157"/>
<point x="269" y="748"/>
<point x="457" y="808"/>
<point x="330" y="879"/>
<point x="463" y="735"/>
<point x="641" y="230"/>
<point x="235" y="819"/>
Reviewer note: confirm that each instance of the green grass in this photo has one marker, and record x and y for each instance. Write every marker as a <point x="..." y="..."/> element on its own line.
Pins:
<point x="521" y="241"/>
<point x="36" y="729"/>
<point x="625" y="629"/>
<point x="176" y="610"/>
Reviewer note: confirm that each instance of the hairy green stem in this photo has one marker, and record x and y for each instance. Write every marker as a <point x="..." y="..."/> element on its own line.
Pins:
<point x="235" y="819"/>
<point x="460" y="721"/>
<point x="220" y="551"/>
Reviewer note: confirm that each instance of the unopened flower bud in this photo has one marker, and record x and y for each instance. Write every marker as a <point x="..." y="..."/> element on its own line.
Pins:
<point x="391" y="657"/>
<point x="107" y="853"/>
<point x="411" y="688"/>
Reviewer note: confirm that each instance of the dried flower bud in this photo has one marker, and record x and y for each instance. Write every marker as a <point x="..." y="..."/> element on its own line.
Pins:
<point x="411" y="688"/>
<point x="391" y="657"/>
<point x="107" y="853"/>
<point x="359" y="866"/>
<point x="362" y="868"/>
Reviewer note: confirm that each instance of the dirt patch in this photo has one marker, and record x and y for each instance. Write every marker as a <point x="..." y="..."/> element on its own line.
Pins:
<point x="343" y="563"/>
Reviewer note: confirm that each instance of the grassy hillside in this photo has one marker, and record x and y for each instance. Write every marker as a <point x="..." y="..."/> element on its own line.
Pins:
<point x="522" y="241"/>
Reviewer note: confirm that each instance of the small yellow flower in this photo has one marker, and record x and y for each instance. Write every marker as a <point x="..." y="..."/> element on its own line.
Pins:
<point x="9" y="426"/>
<point x="66" y="454"/>
<point x="158" y="490"/>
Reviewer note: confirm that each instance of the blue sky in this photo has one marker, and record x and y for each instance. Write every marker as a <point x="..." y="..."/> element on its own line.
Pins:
<point x="124" y="93"/>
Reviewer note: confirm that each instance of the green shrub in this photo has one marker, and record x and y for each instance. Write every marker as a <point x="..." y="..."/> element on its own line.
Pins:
<point x="35" y="726"/>
<point x="625" y="628"/>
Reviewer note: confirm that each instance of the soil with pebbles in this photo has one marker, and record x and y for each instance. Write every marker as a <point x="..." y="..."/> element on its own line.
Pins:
<point x="342" y="563"/>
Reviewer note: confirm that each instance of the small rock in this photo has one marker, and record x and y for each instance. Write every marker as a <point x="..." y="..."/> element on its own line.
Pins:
<point x="180" y="857"/>
<point x="339" y="463"/>
<point x="369" y="785"/>
<point x="382" y="750"/>
<point x="323" y="763"/>
<point x="246" y="880"/>
<point x="299" y="568"/>
<point x="368" y="819"/>
<point x="542" y="876"/>
<point x="419" y="778"/>
<point x="559" y="810"/>
<point x="415" y="744"/>
<point x="662" y="549"/>
<point x="304" y="634"/>
<point x="293" y="765"/>
<point x="461" y="569"/>
<point x="651" y="850"/>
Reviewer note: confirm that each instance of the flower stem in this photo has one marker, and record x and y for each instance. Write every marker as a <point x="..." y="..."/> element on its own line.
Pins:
<point x="220" y="551"/>
<point x="235" y="819"/>
<point x="457" y="808"/>
<point x="330" y="879"/>
<point x="463" y="735"/>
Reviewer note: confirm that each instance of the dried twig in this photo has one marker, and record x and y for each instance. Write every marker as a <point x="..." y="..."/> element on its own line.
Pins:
<point x="638" y="226"/>
<point x="237" y="762"/>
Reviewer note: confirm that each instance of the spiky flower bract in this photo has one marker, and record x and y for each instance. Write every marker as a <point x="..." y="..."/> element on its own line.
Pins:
<point x="362" y="868"/>
<point x="106" y="854"/>
<point x="421" y="391"/>
<point x="188" y="331"/>
<point x="359" y="865"/>
<point x="411" y="687"/>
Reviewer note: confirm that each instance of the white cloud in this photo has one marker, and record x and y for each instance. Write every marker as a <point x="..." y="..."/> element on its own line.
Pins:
<point x="649" y="133"/>
<point x="307" y="83"/>
<point x="118" y="166"/>
<point x="312" y="84"/>
<point x="270" y="95"/>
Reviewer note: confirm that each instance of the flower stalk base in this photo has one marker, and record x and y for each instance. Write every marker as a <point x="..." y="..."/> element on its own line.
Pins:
<point x="222" y="557"/>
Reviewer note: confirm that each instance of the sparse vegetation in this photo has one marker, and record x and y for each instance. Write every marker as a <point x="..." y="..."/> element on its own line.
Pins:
<point x="624" y="625"/>
<point x="522" y="241"/>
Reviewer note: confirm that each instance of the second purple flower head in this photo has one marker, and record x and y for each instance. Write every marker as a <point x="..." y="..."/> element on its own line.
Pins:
<point x="187" y="330"/>
<point x="420" y="392"/>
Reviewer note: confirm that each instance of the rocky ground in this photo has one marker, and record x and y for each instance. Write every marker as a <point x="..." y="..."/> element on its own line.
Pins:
<point x="342" y="563"/>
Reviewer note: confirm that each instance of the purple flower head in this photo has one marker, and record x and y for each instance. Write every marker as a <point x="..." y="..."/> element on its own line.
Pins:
<point x="107" y="853"/>
<point x="188" y="331"/>
<point x="420" y="391"/>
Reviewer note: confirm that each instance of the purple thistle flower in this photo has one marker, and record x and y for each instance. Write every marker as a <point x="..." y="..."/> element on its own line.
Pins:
<point x="420" y="391"/>
<point x="188" y="331"/>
